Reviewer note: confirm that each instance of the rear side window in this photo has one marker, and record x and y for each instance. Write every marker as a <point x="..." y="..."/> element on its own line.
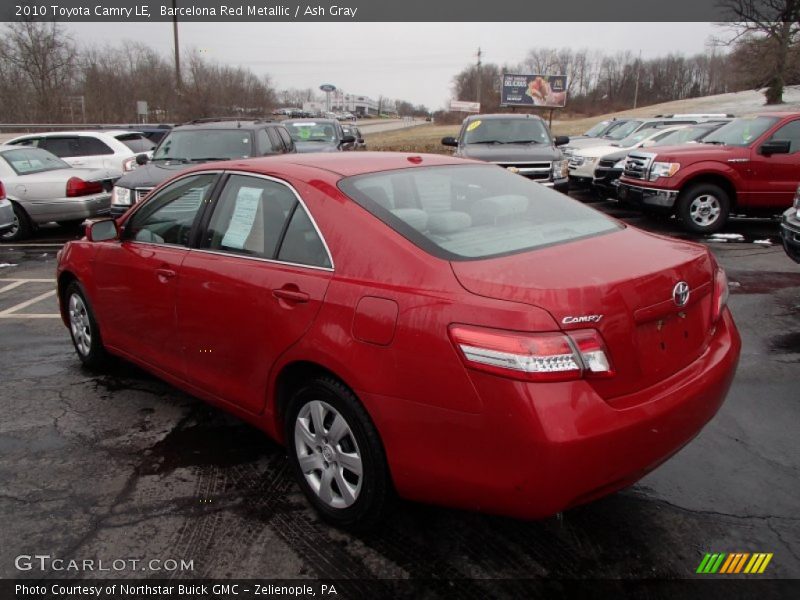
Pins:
<point x="136" y="142"/>
<point x="460" y="212"/>
<point x="250" y="216"/>
<point x="27" y="142"/>
<point x="287" y="140"/>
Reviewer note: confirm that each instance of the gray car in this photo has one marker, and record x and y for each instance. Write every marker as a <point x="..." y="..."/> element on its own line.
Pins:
<point x="519" y="142"/>
<point x="6" y="212"/>
<point x="318" y="135"/>
<point x="43" y="188"/>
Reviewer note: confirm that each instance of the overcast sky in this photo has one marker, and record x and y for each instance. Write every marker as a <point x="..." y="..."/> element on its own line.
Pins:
<point x="409" y="61"/>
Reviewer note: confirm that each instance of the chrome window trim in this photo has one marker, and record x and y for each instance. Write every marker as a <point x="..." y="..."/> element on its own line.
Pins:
<point x="258" y="258"/>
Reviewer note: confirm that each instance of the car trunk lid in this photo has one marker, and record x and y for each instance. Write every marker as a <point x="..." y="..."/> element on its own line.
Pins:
<point x="623" y="285"/>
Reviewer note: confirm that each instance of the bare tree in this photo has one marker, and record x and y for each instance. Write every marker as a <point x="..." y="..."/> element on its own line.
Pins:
<point x="778" y="23"/>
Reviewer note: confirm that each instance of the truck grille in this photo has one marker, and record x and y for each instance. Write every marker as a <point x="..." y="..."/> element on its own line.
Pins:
<point x="539" y="171"/>
<point x="141" y="193"/>
<point x="638" y="165"/>
<point x="576" y="161"/>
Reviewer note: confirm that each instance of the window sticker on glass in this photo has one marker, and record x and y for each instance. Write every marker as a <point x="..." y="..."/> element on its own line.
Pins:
<point x="474" y="125"/>
<point x="243" y="218"/>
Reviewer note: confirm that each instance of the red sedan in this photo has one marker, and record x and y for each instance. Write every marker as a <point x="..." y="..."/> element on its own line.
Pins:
<point x="434" y="327"/>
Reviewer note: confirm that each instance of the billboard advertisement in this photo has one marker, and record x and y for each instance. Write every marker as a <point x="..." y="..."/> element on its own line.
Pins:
<point x="534" y="90"/>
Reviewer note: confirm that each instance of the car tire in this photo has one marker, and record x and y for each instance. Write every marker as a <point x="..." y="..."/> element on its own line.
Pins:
<point x="704" y="208"/>
<point x="83" y="328"/>
<point x="329" y="438"/>
<point x="22" y="226"/>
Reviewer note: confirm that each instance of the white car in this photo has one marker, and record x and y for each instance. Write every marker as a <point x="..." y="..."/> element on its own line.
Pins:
<point x="582" y="162"/>
<point x="114" y="150"/>
<point x="43" y="188"/>
<point x="6" y="211"/>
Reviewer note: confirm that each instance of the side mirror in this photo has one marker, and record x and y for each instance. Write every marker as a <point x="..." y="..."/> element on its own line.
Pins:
<point x="101" y="230"/>
<point x="348" y="139"/>
<point x="141" y="159"/>
<point x="450" y="141"/>
<point x="561" y="140"/>
<point x="775" y="147"/>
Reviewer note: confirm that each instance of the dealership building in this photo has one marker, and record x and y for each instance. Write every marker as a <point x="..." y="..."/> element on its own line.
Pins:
<point x="354" y="103"/>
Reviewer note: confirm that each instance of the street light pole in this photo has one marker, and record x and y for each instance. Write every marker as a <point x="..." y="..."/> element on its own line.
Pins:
<point x="178" y="84"/>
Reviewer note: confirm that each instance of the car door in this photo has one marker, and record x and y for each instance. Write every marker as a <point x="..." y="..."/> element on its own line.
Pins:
<point x="251" y="290"/>
<point x="776" y="175"/>
<point x="137" y="276"/>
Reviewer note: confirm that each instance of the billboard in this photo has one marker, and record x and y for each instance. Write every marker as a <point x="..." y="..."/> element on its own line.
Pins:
<point x="463" y="106"/>
<point x="534" y="90"/>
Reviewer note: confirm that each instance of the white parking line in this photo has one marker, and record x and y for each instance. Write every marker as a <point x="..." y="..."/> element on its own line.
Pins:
<point x="12" y="312"/>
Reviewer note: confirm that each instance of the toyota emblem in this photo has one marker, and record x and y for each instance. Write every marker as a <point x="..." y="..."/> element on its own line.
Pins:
<point x="680" y="293"/>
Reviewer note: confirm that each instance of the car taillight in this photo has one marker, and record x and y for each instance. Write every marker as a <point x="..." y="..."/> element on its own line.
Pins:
<point x="129" y="164"/>
<point x="720" y="294"/>
<point x="2" y="191"/>
<point x="533" y="356"/>
<point x="78" y="187"/>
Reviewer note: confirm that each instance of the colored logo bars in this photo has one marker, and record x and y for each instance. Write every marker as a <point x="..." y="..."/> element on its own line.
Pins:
<point x="730" y="563"/>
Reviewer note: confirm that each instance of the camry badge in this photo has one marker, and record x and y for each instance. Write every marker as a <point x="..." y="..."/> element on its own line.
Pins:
<point x="680" y="293"/>
<point x="581" y="319"/>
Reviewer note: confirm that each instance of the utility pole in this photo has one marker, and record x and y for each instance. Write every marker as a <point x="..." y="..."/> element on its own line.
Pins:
<point x="638" y="71"/>
<point x="478" y="100"/>
<point x="178" y="83"/>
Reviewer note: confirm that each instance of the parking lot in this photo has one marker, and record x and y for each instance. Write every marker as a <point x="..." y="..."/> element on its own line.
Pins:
<point x="121" y="465"/>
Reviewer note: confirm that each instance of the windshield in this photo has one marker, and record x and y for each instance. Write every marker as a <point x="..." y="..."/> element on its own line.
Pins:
<point x="635" y="138"/>
<point x="741" y="132"/>
<point x="682" y="136"/>
<point x="623" y="131"/>
<point x="26" y="161"/>
<point x="205" y="144"/>
<point x="506" y="131"/>
<point x="461" y="212"/>
<point x="311" y="131"/>
<point x="598" y="129"/>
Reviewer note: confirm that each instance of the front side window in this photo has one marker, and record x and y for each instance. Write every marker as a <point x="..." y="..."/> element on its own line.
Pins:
<point x="65" y="147"/>
<point x="169" y="215"/>
<point x="312" y="131"/>
<point x="136" y="142"/>
<point x="26" y="161"/>
<point x="624" y="130"/>
<point x="790" y="133"/>
<point x="462" y="212"/>
<point x="741" y="132"/>
<point x="91" y="146"/>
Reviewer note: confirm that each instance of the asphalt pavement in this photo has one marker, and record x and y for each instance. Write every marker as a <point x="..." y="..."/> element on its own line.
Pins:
<point x="122" y="465"/>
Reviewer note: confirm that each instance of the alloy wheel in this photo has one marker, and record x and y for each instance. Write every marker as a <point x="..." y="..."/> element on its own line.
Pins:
<point x="79" y="325"/>
<point x="705" y="209"/>
<point x="328" y="454"/>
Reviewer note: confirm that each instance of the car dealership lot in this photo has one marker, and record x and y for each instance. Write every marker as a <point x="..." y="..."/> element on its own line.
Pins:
<point x="121" y="465"/>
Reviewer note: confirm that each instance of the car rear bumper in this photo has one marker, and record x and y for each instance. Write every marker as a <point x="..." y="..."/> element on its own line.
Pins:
<point x="541" y="448"/>
<point x="6" y="215"/>
<point x="69" y="209"/>
<point x="645" y="196"/>
<point x="790" y="234"/>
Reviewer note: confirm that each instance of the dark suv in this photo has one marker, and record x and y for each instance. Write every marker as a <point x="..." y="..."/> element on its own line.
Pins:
<point x="520" y="143"/>
<point x="319" y="135"/>
<point x="199" y="141"/>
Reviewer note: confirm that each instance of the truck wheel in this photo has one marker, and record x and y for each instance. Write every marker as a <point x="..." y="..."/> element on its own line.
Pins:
<point x="704" y="208"/>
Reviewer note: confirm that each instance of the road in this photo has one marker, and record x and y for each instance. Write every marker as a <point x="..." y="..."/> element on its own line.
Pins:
<point x="120" y="464"/>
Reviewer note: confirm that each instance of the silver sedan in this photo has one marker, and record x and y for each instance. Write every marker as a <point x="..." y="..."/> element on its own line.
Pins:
<point x="43" y="188"/>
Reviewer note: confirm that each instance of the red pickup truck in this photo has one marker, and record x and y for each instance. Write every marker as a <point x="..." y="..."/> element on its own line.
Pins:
<point x="749" y="166"/>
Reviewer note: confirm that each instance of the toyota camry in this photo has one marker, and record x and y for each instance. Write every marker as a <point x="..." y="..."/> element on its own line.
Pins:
<point x="415" y="325"/>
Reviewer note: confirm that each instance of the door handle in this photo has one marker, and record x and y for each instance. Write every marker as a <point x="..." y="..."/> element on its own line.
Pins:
<point x="165" y="274"/>
<point x="290" y="295"/>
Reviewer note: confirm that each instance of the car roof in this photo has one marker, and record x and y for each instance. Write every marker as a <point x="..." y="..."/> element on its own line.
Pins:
<point x="84" y="132"/>
<point x="345" y="164"/>
<point x="224" y="124"/>
<point x="490" y="116"/>
<point x="308" y="119"/>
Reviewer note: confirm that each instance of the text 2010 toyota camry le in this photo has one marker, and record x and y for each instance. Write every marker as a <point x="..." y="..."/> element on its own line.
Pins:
<point x="424" y="325"/>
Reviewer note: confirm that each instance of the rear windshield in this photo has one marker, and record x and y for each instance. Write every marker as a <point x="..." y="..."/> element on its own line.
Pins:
<point x="460" y="212"/>
<point x="741" y="132"/>
<point x="205" y="144"/>
<point x="506" y="131"/>
<point x="32" y="160"/>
